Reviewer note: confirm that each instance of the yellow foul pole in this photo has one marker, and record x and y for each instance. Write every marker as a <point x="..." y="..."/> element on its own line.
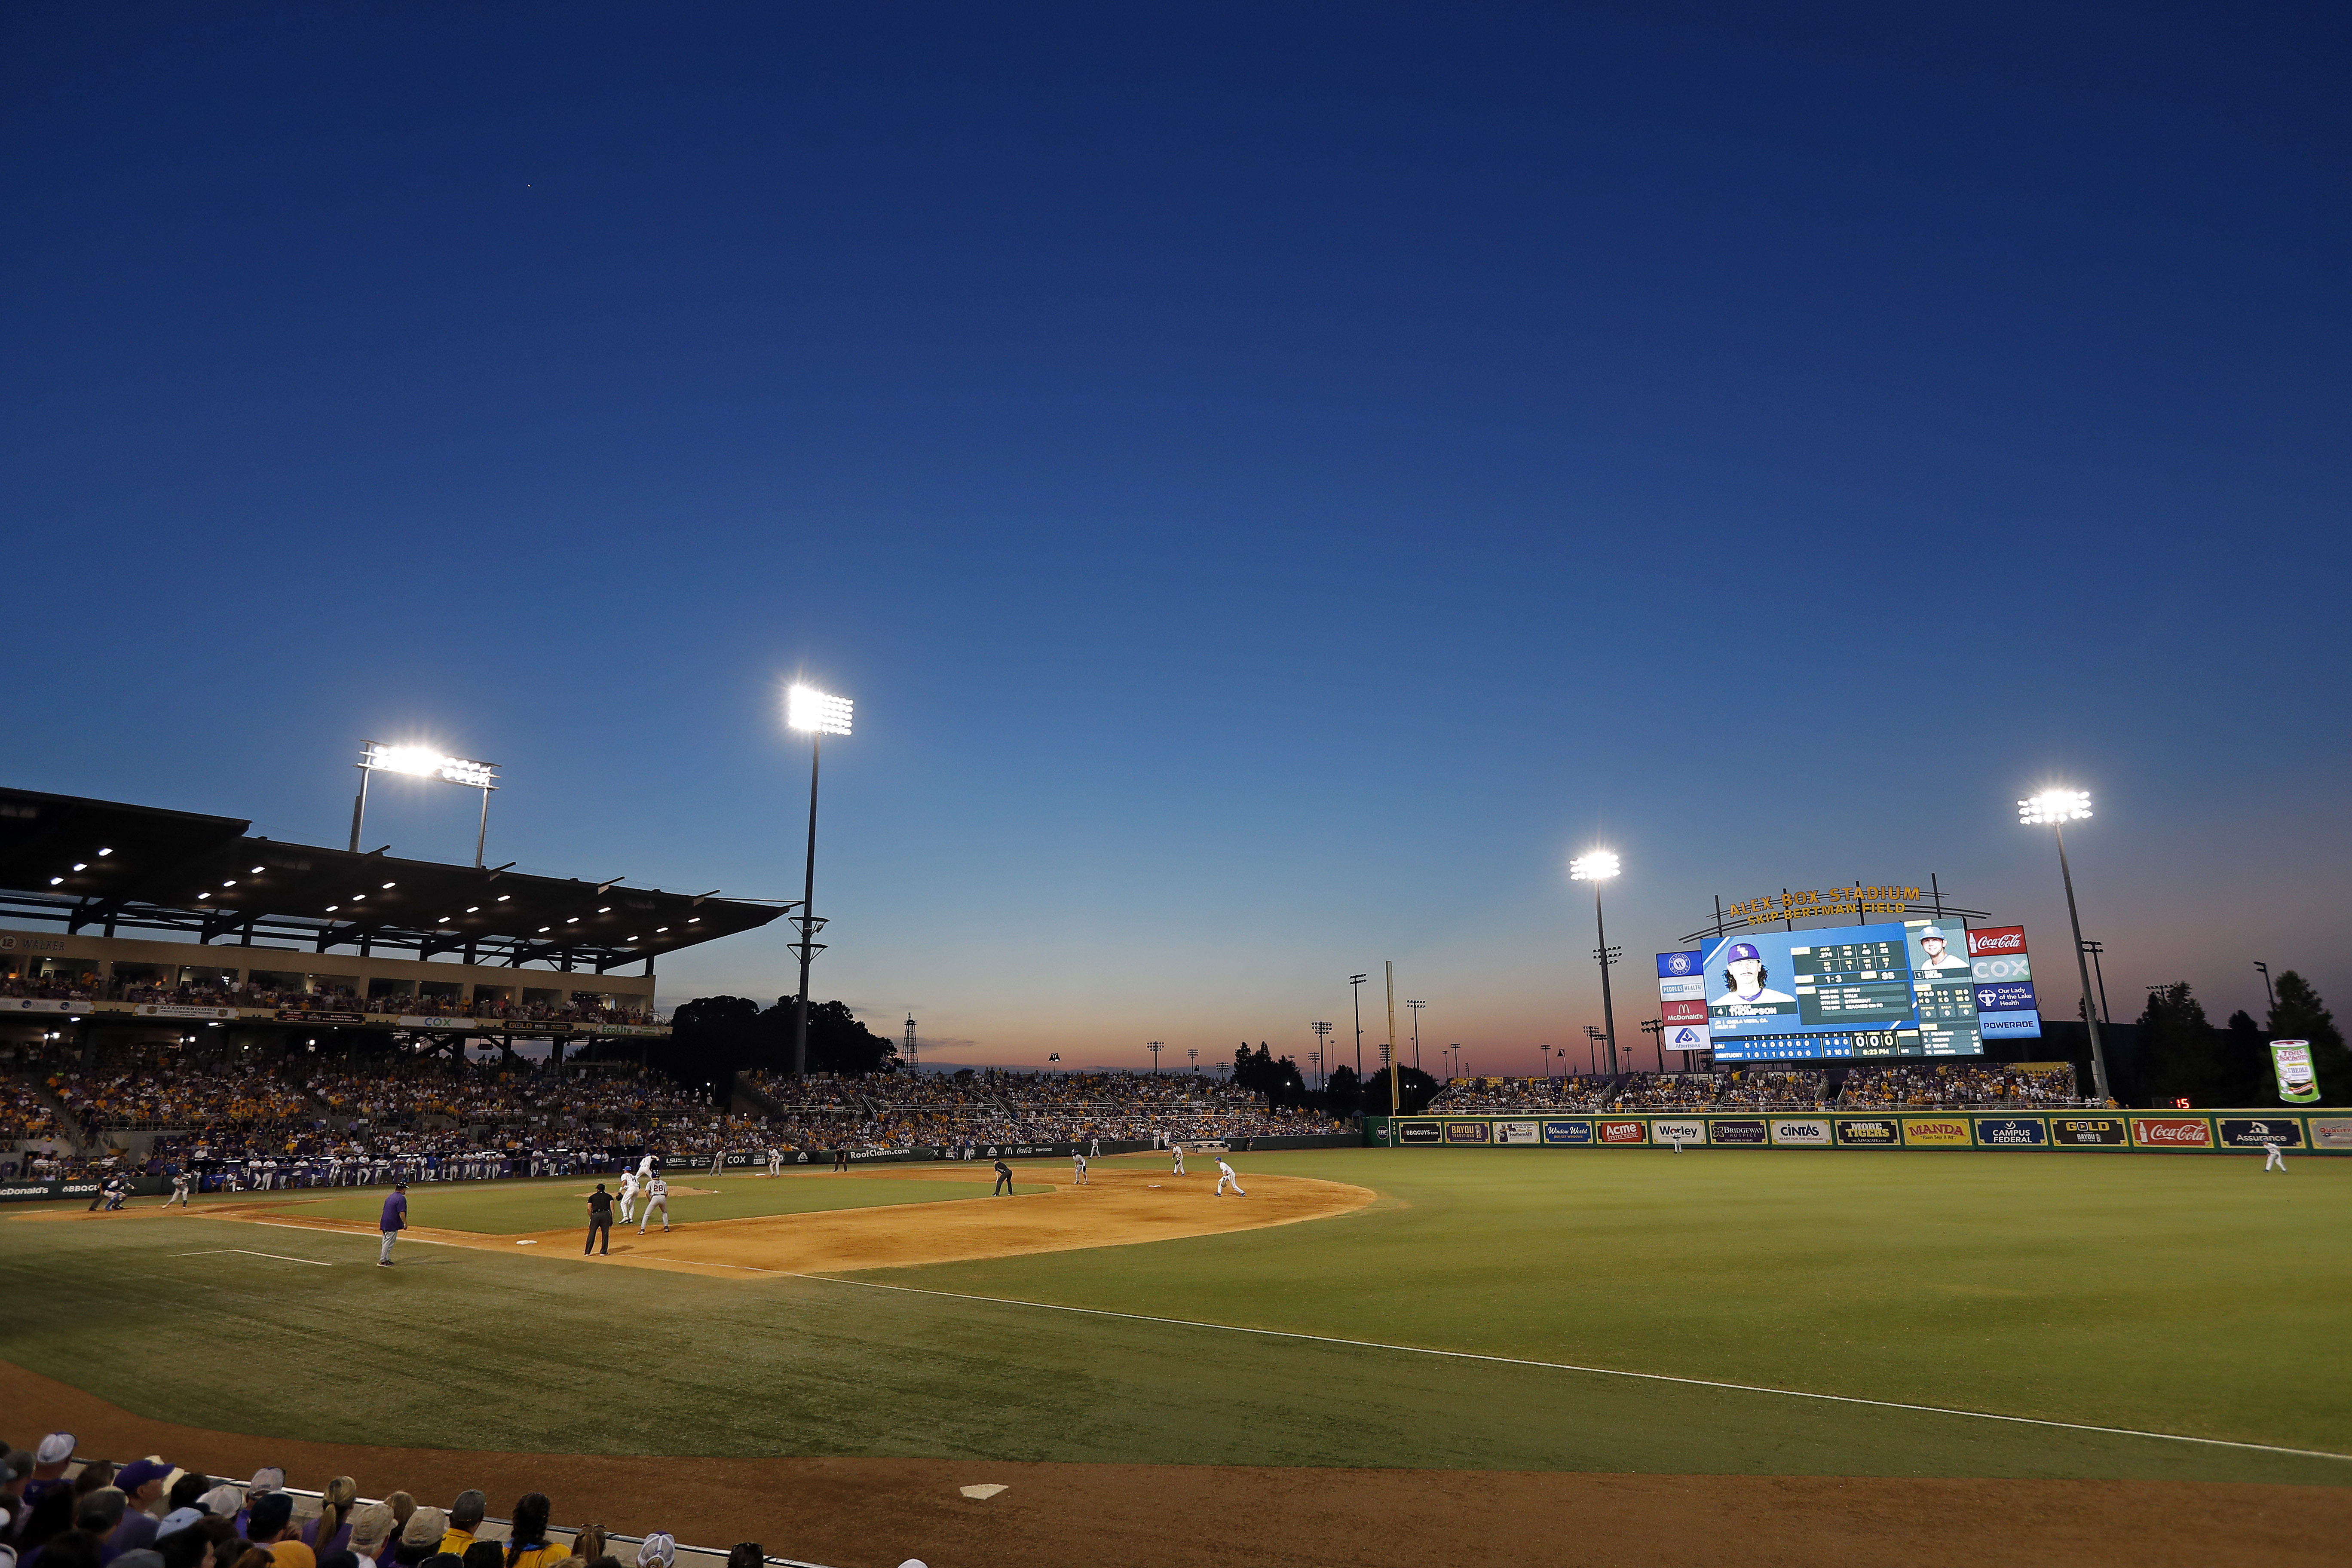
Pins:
<point x="1391" y="968"/>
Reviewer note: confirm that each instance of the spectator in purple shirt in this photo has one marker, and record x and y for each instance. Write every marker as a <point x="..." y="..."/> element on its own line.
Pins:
<point x="395" y="1220"/>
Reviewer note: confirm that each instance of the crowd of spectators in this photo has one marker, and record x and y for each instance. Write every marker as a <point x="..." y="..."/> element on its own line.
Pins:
<point x="148" y="1087"/>
<point x="884" y="1112"/>
<point x="24" y="1114"/>
<point x="1774" y="1089"/>
<point x="1664" y="1092"/>
<point x="316" y="998"/>
<point x="1953" y="1085"/>
<point x="1476" y="1096"/>
<point x="59" y="1512"/>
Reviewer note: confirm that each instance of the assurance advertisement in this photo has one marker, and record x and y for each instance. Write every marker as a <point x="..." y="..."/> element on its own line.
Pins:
<point x="1937" y="1131"/>
<point x="1568" y="1132"/>
<point x="2283" y="1131"/>
<point x="2290" y="1060"/>
<point x="1868" y="1133"/>
<point x="2172" y="1133"/>
<point x="2088" y="1132"/>
<point x="1801" y="1133"/>
<point x="2012" y="1132"/>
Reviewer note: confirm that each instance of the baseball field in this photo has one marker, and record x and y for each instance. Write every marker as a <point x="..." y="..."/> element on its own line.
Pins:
<point x="1470" y="1356"/>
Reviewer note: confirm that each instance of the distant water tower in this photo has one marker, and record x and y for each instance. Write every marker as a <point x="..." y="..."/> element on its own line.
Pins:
<point x="914" y="1062"/>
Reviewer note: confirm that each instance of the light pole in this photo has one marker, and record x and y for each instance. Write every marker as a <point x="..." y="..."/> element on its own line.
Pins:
<point x="424" y="763"/>
<point x="1416" y="1007"/>
<point x="1656" y="1029"/>
<point x="2106" y="1015"/>
<point x="1155" y="1048"/>
<point x="1592" y="1038"/>
<point x="1596" y="866"/>
<point x="2269" y="995"/>
<point x="1315" y="1060"/>
<point x="1355" y="989"/>
<point x="1322" y="1043"/>
<point x="2054" y="808"/>
<point x="1192" y="1054"/>
<point x="809" y="709"/>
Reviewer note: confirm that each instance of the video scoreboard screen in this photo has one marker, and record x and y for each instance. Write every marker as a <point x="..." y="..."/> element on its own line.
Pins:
<point x="1901" y="989"/>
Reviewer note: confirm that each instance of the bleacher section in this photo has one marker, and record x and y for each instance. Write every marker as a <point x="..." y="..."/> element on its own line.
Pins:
<point x="1949" y="1086"/>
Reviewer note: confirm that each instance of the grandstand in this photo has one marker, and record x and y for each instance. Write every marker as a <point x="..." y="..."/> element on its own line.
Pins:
<point x="1952" y="1086"/>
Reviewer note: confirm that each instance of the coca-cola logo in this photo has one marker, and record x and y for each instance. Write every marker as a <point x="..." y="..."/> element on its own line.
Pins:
<point x="2176" y="1132"/>
<point x="1999" y="938"/>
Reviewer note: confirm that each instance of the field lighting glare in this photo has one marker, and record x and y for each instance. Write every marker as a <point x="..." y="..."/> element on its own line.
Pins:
<point x="1596" y="866"/>
<point x="806" y="708"/>
<point x="424" y="763"/>
<point x="2052" y="807"/>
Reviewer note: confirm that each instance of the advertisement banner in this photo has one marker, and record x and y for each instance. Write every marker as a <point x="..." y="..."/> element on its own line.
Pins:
<point x="2008" y="1026"/>
<point x="2001" y="971"/>
<point x="1568" y="1132"/>
<point x="1740" y="1132"/>
<point x="2172" y="1133"/>
<point x="1687" y="1037"/>
<point x="287" y="1016"/>
<point x="1674" y="965"/>
<point x="167" y="1010"/>
<point x="1937" y="1131"/>
<point x="39" y="1004"/>
<point x="1625" y="1132"/>
<point x="1996" y="942"/>
<point x="2006" y="996"/>
<point x="1517" y="1132"/>
<point x="2331" y="1131"/>
<point x="1683" y="988"/>
<point x="2283" y="1131"/>
<point x="1868" y="1133"/>
<point x="1675" y="1013"/>
<point x="1681" y="1131"/>
<point x="1801" y="1134"/>
<point x="1468" y="1132"/>
<point x="433" y="1021"/>
<point x="2014" y="1132"/>
<point x="1418" y="1132"/>
<point x="2087" y="1132"/>
<point x="2290" y="1060"/>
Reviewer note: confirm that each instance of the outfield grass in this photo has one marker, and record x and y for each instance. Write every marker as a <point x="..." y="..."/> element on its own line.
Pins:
<point x="2189" y="1296"/>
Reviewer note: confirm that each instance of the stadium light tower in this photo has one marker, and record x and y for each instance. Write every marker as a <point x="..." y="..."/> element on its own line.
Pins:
<point x="819" y="714"/>
<point x="1416" y="1007"/>
<point x="1596" y="866"/>
<point x="1322" y="1043"/>
<point x="2054" y="808"/>
<point x="423" y="762"/>
<point x="1355" y="989"/>
<point x="1155" y="1048"/>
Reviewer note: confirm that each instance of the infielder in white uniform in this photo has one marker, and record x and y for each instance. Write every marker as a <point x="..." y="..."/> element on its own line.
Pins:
<point x="656" y="1196"/>
<point x="628" y="1199"/>
<point x="644" y="1170"/>
<point x="1079" y="1169"/>
<point x="775" y="1161"/>
<point x="2274" y="1161"/>
<point x="1177" y="1149"/>
<point x="1224" y="1174"/>
<point x="179" y="1191"/>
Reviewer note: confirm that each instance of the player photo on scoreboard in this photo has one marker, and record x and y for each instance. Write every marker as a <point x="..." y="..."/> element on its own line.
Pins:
<point x="1748" y="985"/>
<point x="1939" y="948"/>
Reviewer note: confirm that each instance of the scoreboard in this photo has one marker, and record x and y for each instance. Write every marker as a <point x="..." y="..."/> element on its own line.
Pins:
<point x="1899" y="989"/>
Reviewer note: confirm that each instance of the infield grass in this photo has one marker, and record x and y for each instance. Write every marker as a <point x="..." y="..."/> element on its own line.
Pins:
<point x="2188" y="1295"/>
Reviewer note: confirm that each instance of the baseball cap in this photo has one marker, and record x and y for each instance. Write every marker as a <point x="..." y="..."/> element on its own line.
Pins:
<point x="425" y="1527"/>
<point x="271" y="1513"/>
<point x="267" y="1480"/>
<point x="138" y="1472"/>
<point x="1933" y="932"/>
<point x="15" y="1465"/>
<point x="1740" y="950"/>
<point x="178" y="1520"/>
<point x="55" y="1449"/>
<point x="222" y="1501"/>
<point x="658" y="1551"/>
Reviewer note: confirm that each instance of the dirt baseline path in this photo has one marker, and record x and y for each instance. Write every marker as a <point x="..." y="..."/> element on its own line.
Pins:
<point x="872" y="1513"/>
<point x="1118" y="1207"/>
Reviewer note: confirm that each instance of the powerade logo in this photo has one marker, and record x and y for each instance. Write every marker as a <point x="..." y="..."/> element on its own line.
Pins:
<point x="2016" y="1132"/>
<point x="1568" y="1132"/>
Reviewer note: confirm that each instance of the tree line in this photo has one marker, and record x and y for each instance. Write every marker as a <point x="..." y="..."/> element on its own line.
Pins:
<point x="2184" y="1057"/>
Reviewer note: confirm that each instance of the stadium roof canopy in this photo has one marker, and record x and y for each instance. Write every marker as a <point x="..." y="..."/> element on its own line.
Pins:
<point x="86" y="864"/>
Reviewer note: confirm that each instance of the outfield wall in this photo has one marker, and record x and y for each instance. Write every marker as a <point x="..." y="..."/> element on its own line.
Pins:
<point x="2115" y="1131"/>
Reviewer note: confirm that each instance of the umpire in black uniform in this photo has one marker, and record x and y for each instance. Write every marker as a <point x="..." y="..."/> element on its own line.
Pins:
<point x="1003" y="1180"/>
<point x="600" y="1220"/>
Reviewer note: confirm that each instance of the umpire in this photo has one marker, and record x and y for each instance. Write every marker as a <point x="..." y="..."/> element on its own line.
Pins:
<point x="600" y="1220"/>
<point x="1004" y="1181"/>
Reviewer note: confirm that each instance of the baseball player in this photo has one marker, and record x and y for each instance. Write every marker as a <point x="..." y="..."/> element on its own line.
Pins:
<point x="1003" y="1187"/>
<point x="394" y="1221"/>
<point x="775" y="1161"/>
<point x="644" y="1170"/>
<point x="657" y="1194"/>
<point x="1224" y="1174"/>
<point x="179" y="1190"/>
<point x="2274" y="1161"/>
<point x="629" y="1197"/>
<point x="1176" y="1152"/>
<point x="1094" y="1147"/>
<point x="1079" y="1169"/>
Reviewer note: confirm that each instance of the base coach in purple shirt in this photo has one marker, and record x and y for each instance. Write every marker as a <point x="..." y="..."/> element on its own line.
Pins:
<point x="395" y="1220"/>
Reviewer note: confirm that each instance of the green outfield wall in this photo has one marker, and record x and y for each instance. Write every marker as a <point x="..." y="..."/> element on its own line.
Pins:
<point x="2085" y="1132"/>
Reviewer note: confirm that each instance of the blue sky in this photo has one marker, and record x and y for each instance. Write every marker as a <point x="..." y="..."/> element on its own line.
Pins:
<point x="1277" y="481"/>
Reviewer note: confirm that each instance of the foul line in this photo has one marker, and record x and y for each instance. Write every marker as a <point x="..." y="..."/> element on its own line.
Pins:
<point x="282" y="1257"/>
<point x="1595" y="1370"/>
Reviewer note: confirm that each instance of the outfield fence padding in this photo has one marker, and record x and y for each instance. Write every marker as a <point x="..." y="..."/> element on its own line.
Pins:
<point x="2220" y="1132"/>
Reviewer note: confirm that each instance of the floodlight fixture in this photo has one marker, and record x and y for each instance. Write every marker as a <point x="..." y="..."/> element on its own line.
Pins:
<point x="806" y="708"/>
<point x="424" y="763"/>
<point x="1594" y="865"/>
<point x="2053" y="806"/>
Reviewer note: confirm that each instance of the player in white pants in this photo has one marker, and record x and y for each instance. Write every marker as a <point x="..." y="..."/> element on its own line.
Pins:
<point x="1079" y="1171"/>
<point x="2274" y="1161"/>
<point x="628" y="1199"/>
<point x="1177" y="1149"/>
<point x="775" y="1161"/>
<point x="656" y="1196"/>
<point x="179" y="1191"/>
<point x="1224" y="1174"/>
